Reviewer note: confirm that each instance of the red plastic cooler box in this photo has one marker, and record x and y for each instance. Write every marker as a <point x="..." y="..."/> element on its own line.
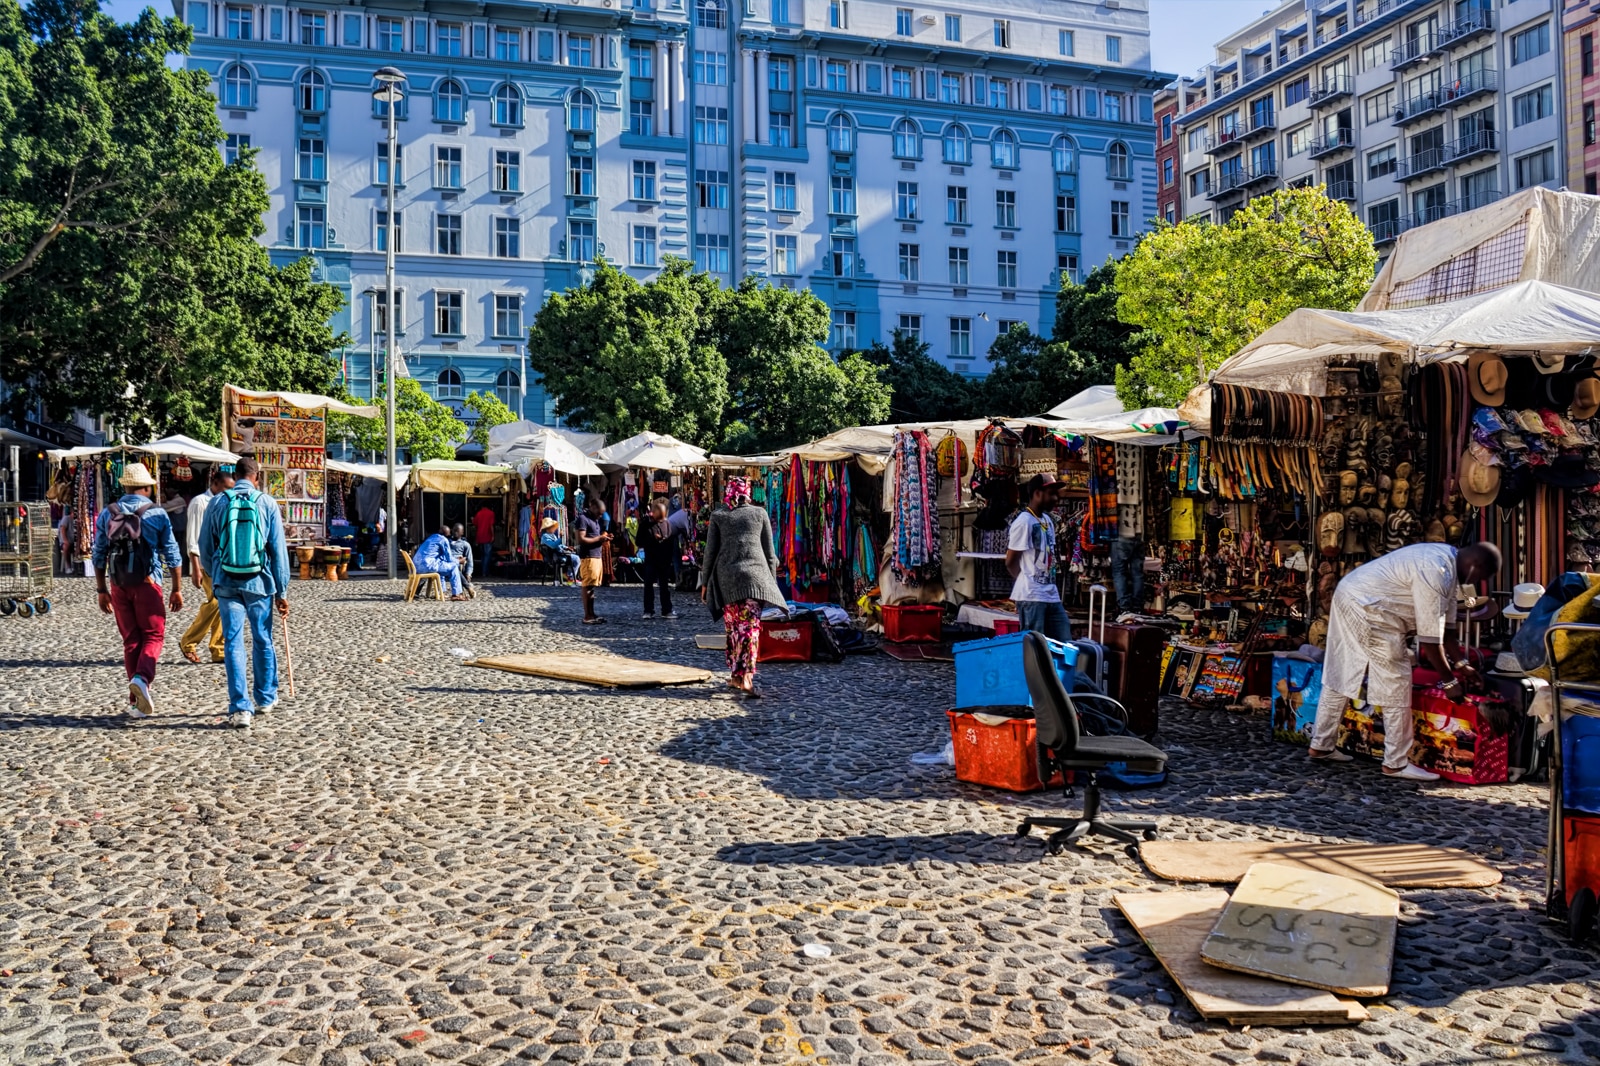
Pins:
<point x="1000" y="756"/>
<point x="916" y="624"/>
<point x="785" y="640"/>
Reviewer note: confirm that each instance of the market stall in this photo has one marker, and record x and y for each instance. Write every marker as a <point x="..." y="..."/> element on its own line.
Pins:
<point x="550" y="466"/>
<point x="450" y="491"/>
<point x="287" y="433"/>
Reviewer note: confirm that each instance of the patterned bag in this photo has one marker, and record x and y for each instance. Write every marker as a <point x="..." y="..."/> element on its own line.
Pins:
<point x="1002" y="453"/>
<point x="950" y="457"/>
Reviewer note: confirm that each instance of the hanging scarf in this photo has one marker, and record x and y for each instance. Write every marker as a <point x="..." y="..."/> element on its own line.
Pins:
<point x="917" y="555"/>
<point x="1101" y="526"/>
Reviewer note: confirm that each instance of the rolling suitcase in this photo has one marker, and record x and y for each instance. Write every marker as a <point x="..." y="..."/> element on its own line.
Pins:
<point x="1092" y="652"/>
<point x="1133" y="668"/>
<point x="1529" y="759"/>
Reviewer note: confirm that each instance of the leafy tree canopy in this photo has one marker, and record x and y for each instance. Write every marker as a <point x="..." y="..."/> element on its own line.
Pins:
<point x="131" y="281"/>
<point x="490" y="411"/>
<point x="424" y="428"/>
<point x="1197" y="293"/>
<point x="924" y="389"/>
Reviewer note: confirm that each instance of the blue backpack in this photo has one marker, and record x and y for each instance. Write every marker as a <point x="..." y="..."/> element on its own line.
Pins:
<point x="243" y="539"/>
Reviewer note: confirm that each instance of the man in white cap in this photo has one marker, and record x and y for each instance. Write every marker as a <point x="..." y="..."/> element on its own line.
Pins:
<point x="133" y="542"/>
<point x="1410" y="590"/>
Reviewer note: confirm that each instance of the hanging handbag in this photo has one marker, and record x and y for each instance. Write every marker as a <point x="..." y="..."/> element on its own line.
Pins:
<point x="1003" y="453"/>
<point x="950" y="457"/>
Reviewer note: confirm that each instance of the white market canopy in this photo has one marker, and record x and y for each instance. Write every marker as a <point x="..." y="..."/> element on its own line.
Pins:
<point x="376" y="471"/>
<point x="305" y="400"/>
<point x="653" y="451"/>
<point x="1095" y="402"/>
<point x="587" y="443"/>
<point x="1519" y="319"/>
<point x="175" y="446"/>
<point x="1148" y="425"/>
<point x="544" y="445"/>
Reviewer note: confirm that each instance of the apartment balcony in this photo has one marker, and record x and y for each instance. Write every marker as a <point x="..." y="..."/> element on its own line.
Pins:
<point x="1339" y="141"/>
<point x="1331" y="90"/>
<point x="1421" y="164"/>
<point x="1228" y="183"/>
<point x="1224" y="140"/>
<point x="1258" y="175"/>
<point x="1471" y="87"/>
<point x="1342" y="190"/>
<point x="1420" y="107"/>
<point x="1427" y="215"/>
<point x="1258" y="124"/>
<point x="1376" y="11"/>
<point x="1475" y="201"/>
<point x="1389" y="230"/>
<point x="1484" y="142"/>
<point x="1463" y="31"/>
<point x="1411" y="53"/>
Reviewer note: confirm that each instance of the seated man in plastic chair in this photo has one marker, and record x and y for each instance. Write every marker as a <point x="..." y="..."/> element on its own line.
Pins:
<point x="435" y="556"/>
<point x="557" y="554"/>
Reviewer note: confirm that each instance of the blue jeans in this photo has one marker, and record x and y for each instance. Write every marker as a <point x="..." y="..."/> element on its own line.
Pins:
<point x="1049" y="618"/>
<point x="1127" y="574"/>
<point x="256" y="612"/>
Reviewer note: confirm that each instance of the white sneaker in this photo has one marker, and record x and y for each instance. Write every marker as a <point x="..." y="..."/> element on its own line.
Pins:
<point x="139" y="691"/>
<point x="265" y="707"/>
<point x="1411" y="773"/>
<point x="134" y="712"/>
<point x="1332" y="756"/>
<point x="240" y="720"/>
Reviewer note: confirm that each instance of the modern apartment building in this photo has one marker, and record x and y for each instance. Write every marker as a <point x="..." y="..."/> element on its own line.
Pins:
<point x="927" y="168"/>
<point x="1408" y="110"/>
<point x="1580" y="24"/>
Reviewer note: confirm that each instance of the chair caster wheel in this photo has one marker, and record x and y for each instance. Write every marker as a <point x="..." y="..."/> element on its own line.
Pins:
<point x="1581" y="916"/>
<point x="1133" y="852"/>
<point x="1053" y="848"/>
<point x="1023" y="830"/>
<point x="1150" y="834"/>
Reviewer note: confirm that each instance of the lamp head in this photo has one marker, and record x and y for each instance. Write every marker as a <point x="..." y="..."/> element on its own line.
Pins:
<point x="389" y="81"/>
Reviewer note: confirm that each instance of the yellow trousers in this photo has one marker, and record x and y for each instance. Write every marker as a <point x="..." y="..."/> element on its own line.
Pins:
<point x="207" y="617"/>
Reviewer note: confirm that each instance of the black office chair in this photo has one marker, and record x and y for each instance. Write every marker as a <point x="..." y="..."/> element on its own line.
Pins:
<point x="1063" y="746"/>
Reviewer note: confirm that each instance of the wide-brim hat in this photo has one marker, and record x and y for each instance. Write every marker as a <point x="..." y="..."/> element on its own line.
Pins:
<point x="548" y="523"/>
<point x="1486" y="374"/>
<point x="136" y="476"/>
<point x="1549" y="362"/>
<point x="1515" y="486"/>
<point x="1585" y="399"/>
<point x="1479" y="482"/>
<point x="1507" y="662"/>
<point x="1567" y="473"/>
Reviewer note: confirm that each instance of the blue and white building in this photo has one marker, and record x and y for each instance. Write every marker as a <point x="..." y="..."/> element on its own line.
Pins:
<point x="927" y="168"/>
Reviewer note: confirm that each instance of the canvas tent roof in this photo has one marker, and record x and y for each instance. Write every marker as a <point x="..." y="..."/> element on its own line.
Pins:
<point x="175" y="445"/>
<point x="1148" y="425"/>
<point x="452" y="475"/>
<point x="587" y="443"/>
<point x="1530" y="316"/>
<point x="1535" y="235"/>
<point x="653" y="451"/>
<point x="378" y="471"/>
<point x="1097" y="401"/>
<point x="544" y="445"/>
<point x="307" y="400"/>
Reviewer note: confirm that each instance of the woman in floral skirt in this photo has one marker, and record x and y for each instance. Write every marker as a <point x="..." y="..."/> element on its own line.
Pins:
<point x="738" y="578"/>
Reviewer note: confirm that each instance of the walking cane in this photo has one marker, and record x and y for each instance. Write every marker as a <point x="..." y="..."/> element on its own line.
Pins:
<point x="288" y="655"/>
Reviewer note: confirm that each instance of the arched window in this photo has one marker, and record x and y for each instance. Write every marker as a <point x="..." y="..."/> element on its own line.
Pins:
<point x="1063" y="155"/>
<point x="1117" y="164"/>
<point x="1003" y="149"/>
<point x="710" y="14"/>
<point x="238" y="88"/>
<point x="506" y="386"/>
<point x="580" y="112"/>
<point x="907" y="140"/>
<point x="449" y="384"/>
<point x="841" y="135"/>
<point x="450" y="102"/>
<point x="507" y="106"/>
<point x="957" y="145"/>
<point x="313" y="93"/>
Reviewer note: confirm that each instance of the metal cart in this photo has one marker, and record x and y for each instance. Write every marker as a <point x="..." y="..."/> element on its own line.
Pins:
<point x="26" y="574"/>
<point x="1577" y="907"/>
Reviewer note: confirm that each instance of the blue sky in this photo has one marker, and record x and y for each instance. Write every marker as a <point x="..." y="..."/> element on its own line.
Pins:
<point x="1182" y="31"/>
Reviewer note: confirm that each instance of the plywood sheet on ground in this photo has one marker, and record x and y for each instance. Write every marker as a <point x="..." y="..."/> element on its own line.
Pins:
<point x="1395" y="865"/>
<point x="1174" y="925"/>
<point x="1308" y="928"/>
<point x="610" y="671"/>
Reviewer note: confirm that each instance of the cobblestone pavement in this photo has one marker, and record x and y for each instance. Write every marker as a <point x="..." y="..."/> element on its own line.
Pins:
<point x="419" y="862"/>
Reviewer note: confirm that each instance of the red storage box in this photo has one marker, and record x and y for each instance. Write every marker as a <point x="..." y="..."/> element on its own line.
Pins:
<point x="1580" y="856"/>
<point x="917" y="624"/>
<point x="1000" y="756"/>
<point x="1006" y="626"/>
<point x="785" y="640"/>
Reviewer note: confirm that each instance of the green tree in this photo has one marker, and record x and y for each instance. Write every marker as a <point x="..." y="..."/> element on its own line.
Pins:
<point x="131" y="282"/>
<point x="490" y="411"/>
<point x="923" y="388"/>
<point x="1198" y="293"/>
<point x="424" y="428"/>
<point x="622" y="357"/>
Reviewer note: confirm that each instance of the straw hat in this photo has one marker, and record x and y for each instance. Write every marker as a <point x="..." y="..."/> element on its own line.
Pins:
<point x="1586" y="399"/>
<point x="1548" y="362"/>
<point x="137" y="476"/>
<point x="1486" y="373"/>
<point x="548" y="523"/>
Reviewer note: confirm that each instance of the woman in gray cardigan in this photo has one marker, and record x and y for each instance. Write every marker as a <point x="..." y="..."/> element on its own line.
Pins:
<point x="738" y="577"/>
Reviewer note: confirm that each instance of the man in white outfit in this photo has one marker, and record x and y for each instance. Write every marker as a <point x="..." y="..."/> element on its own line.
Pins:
<point x="1375" y="607"/>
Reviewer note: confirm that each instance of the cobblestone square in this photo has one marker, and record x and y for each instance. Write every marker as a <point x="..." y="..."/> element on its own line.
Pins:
<point x="419" y="862"/>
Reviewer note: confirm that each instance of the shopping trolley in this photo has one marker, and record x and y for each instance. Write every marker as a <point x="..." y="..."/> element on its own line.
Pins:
<point x="1572" y="875"/>
<point x="26" y="574"/>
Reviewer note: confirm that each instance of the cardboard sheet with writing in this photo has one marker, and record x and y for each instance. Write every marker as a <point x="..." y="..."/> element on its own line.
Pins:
<point x="1308" y="928"/>
<point x="1174" y="925"/>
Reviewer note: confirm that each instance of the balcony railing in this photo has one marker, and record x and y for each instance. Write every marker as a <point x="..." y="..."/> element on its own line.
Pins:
<point x="1224" y="139"/>
<point x="1475" y="201"/>
<point x="1474" y="144"/>
<point x="1228" y="182"/>
<point x="1342" y="190"/>
<point x="1259" y="123"/>
<point x="1338" y="141"/>
<point x="1427" y="215"/>
<point x="1413" y="51"/>
<point x="1376" y="11"/>
<point x="1257" y="175"/>
<point x="1331" y="89"/>
<point x="1452" y="95"/>
<point x="1463" y="30"/>
<point x="1424" y="162"/>
<point x="1387" y="230"/>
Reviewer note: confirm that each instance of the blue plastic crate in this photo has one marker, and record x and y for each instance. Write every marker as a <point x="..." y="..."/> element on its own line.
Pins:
<point x="1580" y="763"/>
<point x="989" y="672"/>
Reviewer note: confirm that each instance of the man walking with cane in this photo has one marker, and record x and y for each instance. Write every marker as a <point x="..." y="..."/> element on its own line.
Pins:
<point x="244" y="552"/>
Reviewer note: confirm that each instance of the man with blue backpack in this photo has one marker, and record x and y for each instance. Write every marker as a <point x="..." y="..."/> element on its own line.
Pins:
<point x="243" y="548"/>
<point x="133" y="541"/>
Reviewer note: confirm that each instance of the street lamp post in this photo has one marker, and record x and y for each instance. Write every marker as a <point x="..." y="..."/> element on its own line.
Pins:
<point x="389" y="81"/>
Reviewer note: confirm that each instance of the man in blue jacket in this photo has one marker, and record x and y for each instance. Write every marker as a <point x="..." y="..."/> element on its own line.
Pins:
<point x="435" y="556"/>
<point x="243" y="548"/>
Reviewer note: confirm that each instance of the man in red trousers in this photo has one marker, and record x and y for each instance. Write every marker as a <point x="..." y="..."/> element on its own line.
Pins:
<point x="133" y="543"/>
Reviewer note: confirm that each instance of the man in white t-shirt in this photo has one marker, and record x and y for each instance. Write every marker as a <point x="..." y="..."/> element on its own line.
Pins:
<point x="1031" y="561"/>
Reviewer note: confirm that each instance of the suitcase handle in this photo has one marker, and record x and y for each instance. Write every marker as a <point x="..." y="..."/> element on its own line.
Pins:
<point x="1097" y="591"/>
